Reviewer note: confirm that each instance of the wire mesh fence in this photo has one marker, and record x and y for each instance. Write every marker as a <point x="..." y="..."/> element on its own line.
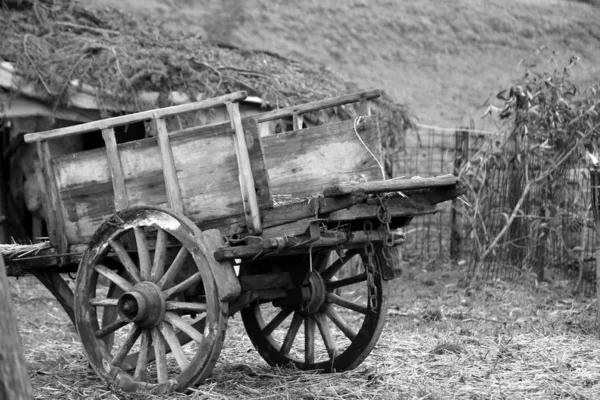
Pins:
<point x="552" y="237"/>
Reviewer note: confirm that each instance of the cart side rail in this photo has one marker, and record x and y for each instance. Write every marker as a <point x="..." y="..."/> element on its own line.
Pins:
<point x="136" y="117"/>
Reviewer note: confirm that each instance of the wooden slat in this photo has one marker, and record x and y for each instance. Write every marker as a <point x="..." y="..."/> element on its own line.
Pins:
<point x="168" y="165"/>
<point x="318" y="105"/>
<point x="392" y="185"/>
<point x="250" y="201"/>
<point x="303" y="163"/>
<point x="116" y="169"/>
<point x="201" y="156"/>
<point x="53" y="206"/>
<point x="130" y="118"/>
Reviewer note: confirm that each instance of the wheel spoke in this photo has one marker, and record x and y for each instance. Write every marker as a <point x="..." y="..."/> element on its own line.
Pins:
<point x="160" y="356"/>
<point x="142" y="360"/>
<point x="286" y="346"/>
<point x="338" y="264"/>
<point x="160" y="253"/>
<point x="182" y="338"/>
<point x="185" y="306"/>
<point x="309" y="340"/>
<point x="183" y="285"/>
<point x="113" y="277"/>
<point x="143" y="252"/>
<point x="110" y="328"/>
<point x="171" y="338"/>
<point x="174" y="268"/>
<point x="99" y="302"/>
<point x="326" y="335"/>
<point x="334" y="298"/>
<point x="127" y="345"/>
<point x="276" y="321"/>
<point x="331" y="286"/>
<point x="184" y="326"/>
<point x="339" y="322"/>
<point x="127" y="262"/>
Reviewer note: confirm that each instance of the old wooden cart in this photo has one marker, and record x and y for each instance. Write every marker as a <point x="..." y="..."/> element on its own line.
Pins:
<point x="156" y="227"/>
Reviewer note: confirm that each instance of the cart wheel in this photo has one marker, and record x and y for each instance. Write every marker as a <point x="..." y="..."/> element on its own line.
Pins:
<point x="340" y="301"/>
<point x="161" y="308"/>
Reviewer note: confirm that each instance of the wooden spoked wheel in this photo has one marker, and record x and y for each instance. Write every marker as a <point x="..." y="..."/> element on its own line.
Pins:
<point x="153" y="321"/>
<point x="337" y="323"/>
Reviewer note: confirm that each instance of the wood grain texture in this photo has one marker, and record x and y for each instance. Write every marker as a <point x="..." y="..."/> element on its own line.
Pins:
<point x="206" y="168"/>
<point x="318" y="105"/>
<point x="14" y="381"/>
<point x="168" y="166"/>
<point x="116" y="169"/>
<point x="392" y="185"/>
<point x="52" y="200"/>
<point x="129" y="118"/>
<point x="305" y="162"/>
<point x="250" y="202"/>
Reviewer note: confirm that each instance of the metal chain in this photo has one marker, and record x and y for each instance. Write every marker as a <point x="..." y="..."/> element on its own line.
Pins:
<point x="370" y="266"/>
<point x="384" y="216"/>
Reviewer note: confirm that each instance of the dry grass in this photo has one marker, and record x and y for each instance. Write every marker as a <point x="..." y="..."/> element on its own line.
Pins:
<point x="498" y="340"/>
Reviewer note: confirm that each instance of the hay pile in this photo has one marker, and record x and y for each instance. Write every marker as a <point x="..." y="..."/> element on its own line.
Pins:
<point x="53" y="42"/>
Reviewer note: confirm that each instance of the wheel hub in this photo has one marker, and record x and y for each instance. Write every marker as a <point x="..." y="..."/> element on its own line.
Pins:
<point x="144" y="305"/>
<point x="316" y="294"/>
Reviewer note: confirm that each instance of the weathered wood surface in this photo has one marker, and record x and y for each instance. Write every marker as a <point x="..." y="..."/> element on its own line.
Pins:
<point x="52" y="199"/>
<point x="246" y="178"/>
<point x="168" y="166"/>
<point x="318" y="105"/>
<point x="207" y="172"/>
<point x="392" y="185"/>
<point x="398" y="207"/>
<point x="14" y="381"/>
<point x="135" y="117"/>
<point x="304" y="162"/>
<point x="116" y="169"/>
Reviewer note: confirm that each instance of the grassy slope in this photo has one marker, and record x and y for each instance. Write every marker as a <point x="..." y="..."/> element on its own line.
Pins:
<point x="443" y="59"/>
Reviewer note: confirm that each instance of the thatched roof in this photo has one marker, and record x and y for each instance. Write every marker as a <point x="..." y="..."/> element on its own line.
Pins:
<point x="62" y="50"/>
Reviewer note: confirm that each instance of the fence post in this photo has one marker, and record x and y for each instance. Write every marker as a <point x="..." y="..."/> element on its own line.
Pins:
<point x="14" y="381"/>
<point x="595" y="189"/>
<point x="461" y="155"/>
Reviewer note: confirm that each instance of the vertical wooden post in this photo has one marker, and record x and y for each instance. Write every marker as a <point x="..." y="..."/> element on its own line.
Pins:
<point x="595" y="189"/>
<point x="247" y="185"/>
<point x="171" y="181"/>
<point x="54" y="210"/>
<point x="116" y="169"/>
<point x="461" y="155"/>
<point x="14" y="381"/>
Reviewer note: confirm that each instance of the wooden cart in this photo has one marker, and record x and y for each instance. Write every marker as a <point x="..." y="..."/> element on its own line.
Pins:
<point x="156" y="227"/>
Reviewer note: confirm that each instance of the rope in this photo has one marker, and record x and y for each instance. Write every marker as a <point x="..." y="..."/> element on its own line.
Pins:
<point x="356" y="122"/>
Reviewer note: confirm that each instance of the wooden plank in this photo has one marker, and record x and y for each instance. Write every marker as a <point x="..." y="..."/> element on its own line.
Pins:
<point x="116" y="169"/>
<point x="52" y="203"/>
<point x="303" y="163"/>
<point x="318" y="105"/>
<point x="168" y="166"/>
<point x="200" y="156"/>
<point x="128" y="119"/>
<point x="392" y="185"/>
<point x="246" y="178"/>
<point x="398" y="207"/>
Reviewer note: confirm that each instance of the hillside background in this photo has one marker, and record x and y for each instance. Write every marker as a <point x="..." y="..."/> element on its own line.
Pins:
<point x="444" y="60"/>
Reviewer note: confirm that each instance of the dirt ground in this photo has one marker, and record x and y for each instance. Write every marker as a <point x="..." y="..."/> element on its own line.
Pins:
<point x="443" y="340"/>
